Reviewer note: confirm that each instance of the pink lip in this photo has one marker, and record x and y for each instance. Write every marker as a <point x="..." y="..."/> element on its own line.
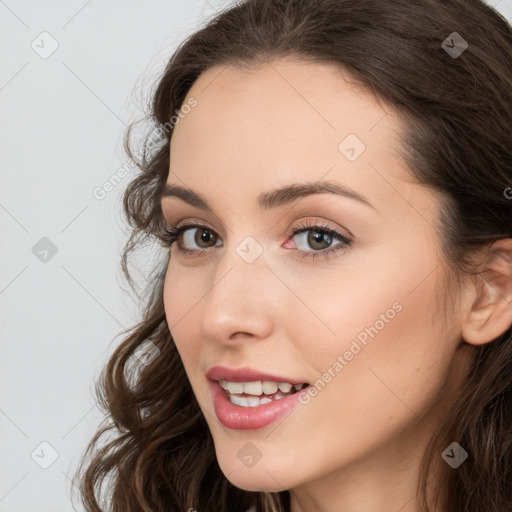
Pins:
<point x="250" y="418"/>
<point x="245" y="374"/>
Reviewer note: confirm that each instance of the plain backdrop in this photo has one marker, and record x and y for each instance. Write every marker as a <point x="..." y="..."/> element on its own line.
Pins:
<point x="73" y="74"/>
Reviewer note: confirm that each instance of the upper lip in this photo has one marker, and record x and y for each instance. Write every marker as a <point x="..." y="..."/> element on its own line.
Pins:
<point x="246" y="374"/>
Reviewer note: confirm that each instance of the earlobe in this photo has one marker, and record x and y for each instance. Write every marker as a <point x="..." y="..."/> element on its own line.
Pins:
<point x="491" y="312"/>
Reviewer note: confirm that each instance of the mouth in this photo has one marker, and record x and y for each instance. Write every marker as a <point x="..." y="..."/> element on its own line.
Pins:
<point x="256" y="393"/>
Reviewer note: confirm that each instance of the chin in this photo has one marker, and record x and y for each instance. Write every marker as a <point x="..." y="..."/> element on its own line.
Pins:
<point x="263" y="476"/>
<point x="247" y="480"/>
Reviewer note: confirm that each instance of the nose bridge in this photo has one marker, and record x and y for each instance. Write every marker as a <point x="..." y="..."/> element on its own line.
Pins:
<point x="239" y="297"/>
<point x="243" y="264"/>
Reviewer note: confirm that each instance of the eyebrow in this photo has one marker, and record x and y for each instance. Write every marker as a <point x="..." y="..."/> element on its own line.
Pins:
<point x="272" y="198"/>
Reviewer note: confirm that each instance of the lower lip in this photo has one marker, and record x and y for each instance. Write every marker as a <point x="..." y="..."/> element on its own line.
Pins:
<point x="238" y="417"/>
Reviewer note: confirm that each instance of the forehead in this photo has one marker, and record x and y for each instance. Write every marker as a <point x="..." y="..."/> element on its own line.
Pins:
<point x="287" y="103"/>
<point x="284" y="122"/>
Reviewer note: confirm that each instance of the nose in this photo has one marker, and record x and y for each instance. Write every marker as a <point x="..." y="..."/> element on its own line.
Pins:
<point x="241" y="299"/>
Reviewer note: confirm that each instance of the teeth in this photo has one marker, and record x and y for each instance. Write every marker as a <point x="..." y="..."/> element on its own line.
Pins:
<point x="252" y="388"/>
<point x="235" y="387"/>
<point x="285" y="387"/>
<point x="257" y="388"/>
<point x="269" y="388"/>
<point x="245" y="402"/>
<point x="253" y="401"/>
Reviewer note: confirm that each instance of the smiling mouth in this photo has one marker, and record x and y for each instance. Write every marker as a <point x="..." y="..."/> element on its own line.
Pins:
<point x="254" y="394"/>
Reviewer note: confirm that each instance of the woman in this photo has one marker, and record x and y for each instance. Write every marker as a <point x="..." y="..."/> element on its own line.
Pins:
<point x="331" y="327"/>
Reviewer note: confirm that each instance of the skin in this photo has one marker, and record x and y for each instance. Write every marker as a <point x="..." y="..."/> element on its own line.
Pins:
<point x="357" y="445"/>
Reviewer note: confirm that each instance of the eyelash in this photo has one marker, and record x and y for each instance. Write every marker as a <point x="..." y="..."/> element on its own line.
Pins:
<point x="172" y="235"/>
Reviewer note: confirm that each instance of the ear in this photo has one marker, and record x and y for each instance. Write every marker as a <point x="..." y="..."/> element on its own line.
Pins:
<point x="491" y="312"/>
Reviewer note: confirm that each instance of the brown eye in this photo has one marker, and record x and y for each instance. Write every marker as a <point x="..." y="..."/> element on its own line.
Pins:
<point x="319" y="240"/>
<point x="315" y="241"/>
<point x="204" y="236"/>
<point x="195" y="239"/>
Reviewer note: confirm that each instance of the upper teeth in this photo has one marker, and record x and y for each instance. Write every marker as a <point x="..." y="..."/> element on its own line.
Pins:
<point x="257" y="388"/>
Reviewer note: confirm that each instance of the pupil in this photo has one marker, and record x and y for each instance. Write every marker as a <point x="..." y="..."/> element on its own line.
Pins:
<point x="318" y="237"/>
<point x="204" y="236"/>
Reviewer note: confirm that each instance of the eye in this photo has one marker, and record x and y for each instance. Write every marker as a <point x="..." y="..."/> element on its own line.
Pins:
<point x="319" y="239"/>
<point x="191" y="234"/>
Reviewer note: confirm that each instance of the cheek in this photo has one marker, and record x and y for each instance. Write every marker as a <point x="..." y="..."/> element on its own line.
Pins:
<point x="388" y="357"/>
<point x="180" y="298"/>
<point x="379" y="306"/>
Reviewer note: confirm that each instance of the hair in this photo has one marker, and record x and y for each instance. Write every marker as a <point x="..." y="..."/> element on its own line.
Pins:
<point x="456" y="114"/>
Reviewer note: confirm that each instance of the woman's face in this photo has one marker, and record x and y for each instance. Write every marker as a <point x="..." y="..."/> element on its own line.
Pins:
<point x="360" y="323"/>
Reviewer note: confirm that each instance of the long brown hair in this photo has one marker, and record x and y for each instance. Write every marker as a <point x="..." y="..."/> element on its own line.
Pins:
<point x="457" y="124"/>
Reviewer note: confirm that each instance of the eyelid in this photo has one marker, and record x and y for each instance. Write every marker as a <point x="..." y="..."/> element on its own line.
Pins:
<point x="195" y="222"/>
<point x="308" y="223"/>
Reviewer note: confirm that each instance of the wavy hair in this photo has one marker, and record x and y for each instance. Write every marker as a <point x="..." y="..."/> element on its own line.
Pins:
<point x="457" y="124"/>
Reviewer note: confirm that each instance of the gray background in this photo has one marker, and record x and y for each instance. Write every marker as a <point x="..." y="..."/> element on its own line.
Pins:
<point x="62" y="296"/>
